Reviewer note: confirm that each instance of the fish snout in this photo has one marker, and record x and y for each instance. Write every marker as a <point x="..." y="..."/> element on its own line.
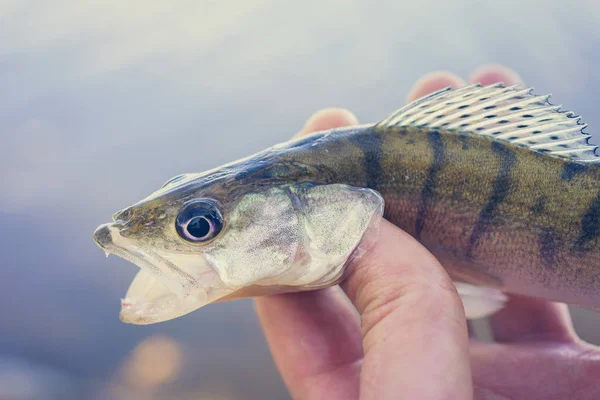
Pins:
<point x="102" y="236"/>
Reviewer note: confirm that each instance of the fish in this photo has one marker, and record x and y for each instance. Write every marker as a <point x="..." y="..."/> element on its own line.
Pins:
<point x="499" y="184"/>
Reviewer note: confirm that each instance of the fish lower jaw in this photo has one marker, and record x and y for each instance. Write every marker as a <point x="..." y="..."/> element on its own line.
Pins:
<point x="139" y="311"/>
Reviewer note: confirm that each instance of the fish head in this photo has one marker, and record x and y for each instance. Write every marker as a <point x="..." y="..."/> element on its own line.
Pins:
<point x="232" y="233"/>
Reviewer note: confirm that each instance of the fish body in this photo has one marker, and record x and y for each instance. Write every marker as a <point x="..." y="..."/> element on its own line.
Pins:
<point x="497" y="183"/>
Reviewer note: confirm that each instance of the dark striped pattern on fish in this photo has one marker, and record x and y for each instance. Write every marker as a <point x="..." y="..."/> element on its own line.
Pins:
<point x="492" y="212"/>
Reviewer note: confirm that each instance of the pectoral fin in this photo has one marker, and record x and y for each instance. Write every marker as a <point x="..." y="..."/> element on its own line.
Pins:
<point x="478" y="301"/>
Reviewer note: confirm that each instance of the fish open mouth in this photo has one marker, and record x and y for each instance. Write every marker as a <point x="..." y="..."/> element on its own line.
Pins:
<point x="160" y="291"/>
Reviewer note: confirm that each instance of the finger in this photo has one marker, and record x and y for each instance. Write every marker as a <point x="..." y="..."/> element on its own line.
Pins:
<point x="536" y="370"/>
<point x="328" y="118"/>
<point x="489" y="74"/>
<point x="434" y="81"/>
<point x="415" y="338"/>
<point x="315" y="336"/>
<point x="526" y="318"/>
<point x="315" y="340"/>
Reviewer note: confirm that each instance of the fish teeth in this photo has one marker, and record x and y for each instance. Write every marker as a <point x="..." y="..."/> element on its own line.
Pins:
<point x="106" y="253"/>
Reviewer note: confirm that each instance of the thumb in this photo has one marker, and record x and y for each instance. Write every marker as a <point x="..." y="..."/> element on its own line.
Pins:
<point x="414" y="330"/>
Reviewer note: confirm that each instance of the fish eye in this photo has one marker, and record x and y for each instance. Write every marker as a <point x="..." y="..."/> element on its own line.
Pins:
<point x="199" y="221"/>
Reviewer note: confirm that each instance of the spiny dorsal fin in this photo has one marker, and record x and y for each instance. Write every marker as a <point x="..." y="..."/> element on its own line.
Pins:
<point x="508" y="113"/>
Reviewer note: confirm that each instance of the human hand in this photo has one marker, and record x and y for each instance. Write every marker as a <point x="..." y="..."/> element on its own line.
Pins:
<point x="409" y="338"/>
<point x="536" y="354"/>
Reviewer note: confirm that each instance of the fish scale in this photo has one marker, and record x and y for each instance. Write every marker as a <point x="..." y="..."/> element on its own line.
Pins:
<point x="480" y="208"/>
<point x="475" y="202"/>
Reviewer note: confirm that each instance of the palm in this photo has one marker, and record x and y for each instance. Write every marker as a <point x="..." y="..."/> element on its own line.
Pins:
<point x="536" y="355"/>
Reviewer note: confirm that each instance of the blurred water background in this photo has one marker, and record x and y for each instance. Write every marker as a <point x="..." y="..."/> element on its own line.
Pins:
<point x="103" y="101"/>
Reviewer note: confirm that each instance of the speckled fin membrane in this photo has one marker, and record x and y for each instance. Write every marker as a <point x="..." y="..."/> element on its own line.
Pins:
<point x="510" y="113"/>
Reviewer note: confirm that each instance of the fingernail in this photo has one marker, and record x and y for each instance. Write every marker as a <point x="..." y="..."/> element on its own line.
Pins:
<point x="434" y="81"/>
<point x="330" y="118"/>
<point x="494" y="73"/>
